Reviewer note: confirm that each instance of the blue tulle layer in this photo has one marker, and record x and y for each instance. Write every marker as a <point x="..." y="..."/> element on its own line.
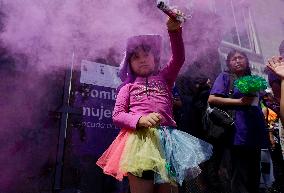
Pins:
<point x="183" y="153"/>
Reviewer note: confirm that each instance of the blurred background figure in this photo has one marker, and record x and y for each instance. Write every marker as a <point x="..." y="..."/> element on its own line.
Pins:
<point x="193" y="93"/>
<point x="276" y="133"/>
<point x="190" y="105"/>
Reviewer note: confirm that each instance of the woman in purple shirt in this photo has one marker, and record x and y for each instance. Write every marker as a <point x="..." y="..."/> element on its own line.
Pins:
<point x="249" y="132"/>
<point x="149" y="150"/>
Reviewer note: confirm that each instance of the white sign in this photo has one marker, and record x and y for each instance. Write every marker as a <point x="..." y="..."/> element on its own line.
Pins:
<point x="99" y="74"/>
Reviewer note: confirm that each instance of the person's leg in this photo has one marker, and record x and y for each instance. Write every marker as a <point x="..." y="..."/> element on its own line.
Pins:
<point x="239" y="175"/>
<point x="278" y="167"/>
<point x="140" y="185"/>
<point x="254" y="170"/>
<point x="166" y="188"/>
<point x="210" y="170"/>
<point x="245" y="170"/>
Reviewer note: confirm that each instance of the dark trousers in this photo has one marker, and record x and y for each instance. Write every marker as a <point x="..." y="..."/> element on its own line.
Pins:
<point x="216" y="171"/>
<point x="278" y="167"/>
<point x="245" y="169"/>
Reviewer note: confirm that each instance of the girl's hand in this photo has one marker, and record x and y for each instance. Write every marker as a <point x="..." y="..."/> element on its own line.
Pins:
<point x="150" y="120"/>
<point x="276" y="64"/>
<point x="173" y="24"/>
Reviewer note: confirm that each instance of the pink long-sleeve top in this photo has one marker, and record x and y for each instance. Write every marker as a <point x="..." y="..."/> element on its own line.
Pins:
<point x="153" y="95"/>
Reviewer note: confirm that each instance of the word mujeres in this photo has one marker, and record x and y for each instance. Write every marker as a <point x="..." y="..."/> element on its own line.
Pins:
<point x="100" y="112"/>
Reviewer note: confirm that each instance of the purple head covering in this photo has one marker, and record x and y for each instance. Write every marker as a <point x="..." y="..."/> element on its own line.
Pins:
<point x="154" y="41"/>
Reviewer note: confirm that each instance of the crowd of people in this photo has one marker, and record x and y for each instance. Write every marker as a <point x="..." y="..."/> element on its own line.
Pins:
<point x="235" y="165"/>
<point x="257" y="126"/>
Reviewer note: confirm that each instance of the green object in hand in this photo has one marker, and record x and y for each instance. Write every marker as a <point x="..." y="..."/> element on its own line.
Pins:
<point x="250" y="84"/>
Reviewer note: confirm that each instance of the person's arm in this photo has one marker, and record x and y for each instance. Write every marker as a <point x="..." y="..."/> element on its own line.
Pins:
<point x="121" y="116"/>
<point x="276" y="65"/>
<point x="172" y="69"/>
<point x="219" y="95"/>
<point x="282" y="102"/>
<point x="220" y="101"/>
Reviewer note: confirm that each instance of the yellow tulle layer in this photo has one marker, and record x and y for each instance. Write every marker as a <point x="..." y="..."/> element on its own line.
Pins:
<point x="143" y="152"/>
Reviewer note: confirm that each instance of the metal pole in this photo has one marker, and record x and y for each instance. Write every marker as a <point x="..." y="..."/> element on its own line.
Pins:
<point x="65" y="110"/>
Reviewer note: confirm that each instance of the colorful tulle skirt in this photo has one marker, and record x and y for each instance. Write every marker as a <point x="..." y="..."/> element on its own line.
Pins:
<point x="171" y="154"/>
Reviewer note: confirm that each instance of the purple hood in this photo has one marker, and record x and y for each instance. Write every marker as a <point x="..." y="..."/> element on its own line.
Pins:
<point x="154" y="41"/>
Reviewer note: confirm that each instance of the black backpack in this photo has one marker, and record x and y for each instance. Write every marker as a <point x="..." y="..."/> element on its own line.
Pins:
<point x="219" y="122"/>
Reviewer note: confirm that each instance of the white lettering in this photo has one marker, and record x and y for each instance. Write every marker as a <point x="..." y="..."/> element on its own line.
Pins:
<point x="107" y="113"/>
<point x="97" y="112"/>
<point x="102" y="94"/>
<point x="94" y="93"/>
<point x="105" y="95"/>
<point x="88" y="110"/>
<point x="98" y="125"/>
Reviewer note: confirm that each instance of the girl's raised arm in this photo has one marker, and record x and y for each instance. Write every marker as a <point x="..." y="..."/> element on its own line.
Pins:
<point x="172" y="69"/>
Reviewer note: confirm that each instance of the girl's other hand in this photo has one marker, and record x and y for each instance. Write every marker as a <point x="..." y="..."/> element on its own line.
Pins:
<point x="173" y="24"/>
<point x="150" y="120"/>
<point x="276" y="64"/>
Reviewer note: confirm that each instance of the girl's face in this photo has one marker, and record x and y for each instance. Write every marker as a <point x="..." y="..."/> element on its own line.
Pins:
<point x="238" y="64"/>
<point x="142" y="62"/>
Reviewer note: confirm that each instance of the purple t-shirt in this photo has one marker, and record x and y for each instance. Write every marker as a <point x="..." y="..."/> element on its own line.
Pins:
<point x="249" y="120"/>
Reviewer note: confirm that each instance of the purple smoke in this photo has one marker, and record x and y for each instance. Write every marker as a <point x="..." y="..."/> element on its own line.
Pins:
<point x="37" y="41"/>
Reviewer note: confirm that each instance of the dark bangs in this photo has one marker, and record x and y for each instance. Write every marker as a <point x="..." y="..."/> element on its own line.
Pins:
<point x="232" y="53"/>
<point x="144" y="47"/>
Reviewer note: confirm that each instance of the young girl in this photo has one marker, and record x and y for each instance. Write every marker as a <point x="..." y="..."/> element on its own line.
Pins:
<point x="149" y="149"/>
